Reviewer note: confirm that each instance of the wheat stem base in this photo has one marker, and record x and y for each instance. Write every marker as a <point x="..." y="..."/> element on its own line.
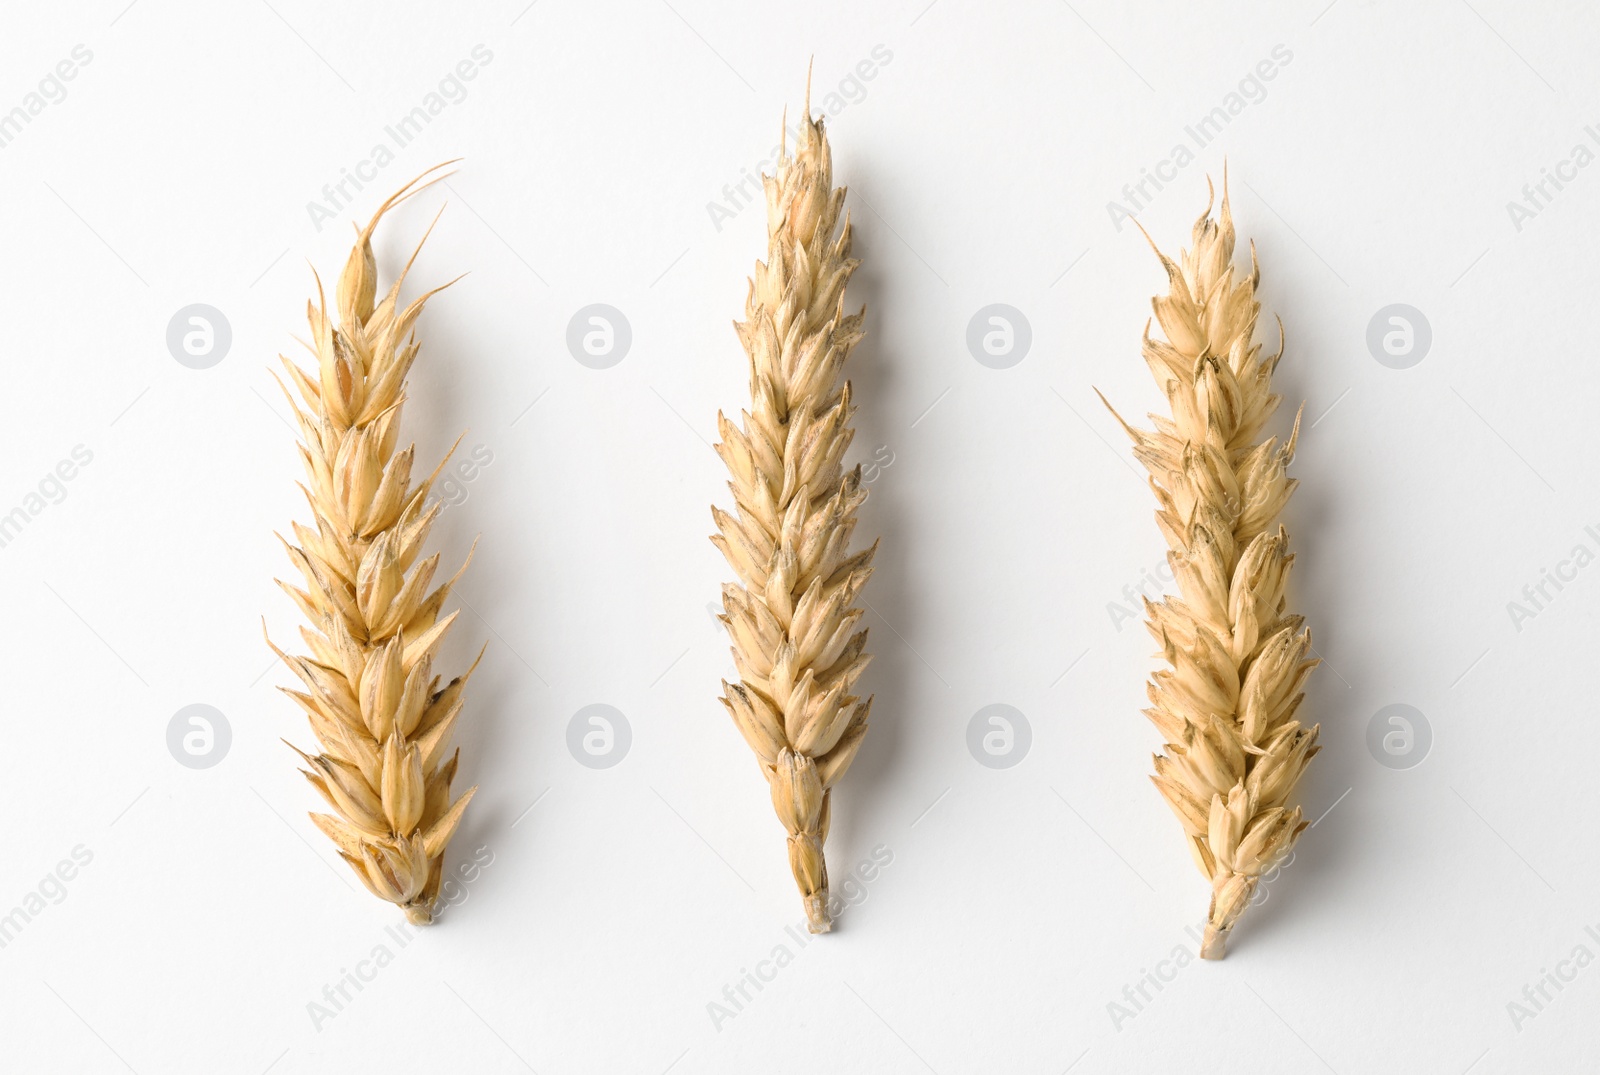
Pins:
<point x="1215" y="943"/>
<point x="817" y="918"/>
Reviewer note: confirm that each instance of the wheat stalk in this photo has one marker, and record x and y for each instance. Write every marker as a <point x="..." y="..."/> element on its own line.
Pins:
<point x="1227" y="704"/>
<point x="791" y="618"/>
<point x="380" y="717"/>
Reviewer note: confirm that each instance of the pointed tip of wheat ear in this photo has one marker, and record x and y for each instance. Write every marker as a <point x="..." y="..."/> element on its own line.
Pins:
<point x="1133" y="434"/>
<point x="428" y="483"/>
<point x="415" y="253"/>
<point x="464" y="676"/>
<point x="266" y="634"/>
<point x="407" y="191"/>
<point x="322" y="297"/>
<point x="279" y="380"/>
<point x="1174" y="273"/>
<point x="1146" y="235"/>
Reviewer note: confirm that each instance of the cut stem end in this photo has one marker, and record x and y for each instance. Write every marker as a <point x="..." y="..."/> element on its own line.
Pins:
<point x="817" y="920"/>
<point x="1215" y="943"/>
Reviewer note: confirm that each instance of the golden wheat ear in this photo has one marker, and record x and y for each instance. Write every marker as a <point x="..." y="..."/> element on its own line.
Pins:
<point x="1237" y="661"/>
<point x="381" y="719"/>
<point x="790" y="616"/>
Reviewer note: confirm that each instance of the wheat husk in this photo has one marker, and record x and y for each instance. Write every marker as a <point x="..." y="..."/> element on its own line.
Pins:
<point x="1228" y="702"/>
<point x="381" y="719"/>
<point x="790" y="616"/>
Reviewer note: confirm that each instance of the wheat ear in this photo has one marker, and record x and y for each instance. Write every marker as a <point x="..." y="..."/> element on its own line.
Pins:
<point x="1227" y="704"/>
<point x="790" y="617"/>
<point x="380" y="717"/>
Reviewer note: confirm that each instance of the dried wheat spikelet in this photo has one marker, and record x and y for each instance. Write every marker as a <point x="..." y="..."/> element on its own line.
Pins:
<point x="379" y="714"/>
<point x="1228" y="702"/>
<point x="790" y="617"/>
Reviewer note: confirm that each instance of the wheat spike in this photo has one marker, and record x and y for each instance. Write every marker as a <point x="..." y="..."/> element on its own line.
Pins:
<point x="1228" y="702"/>
<point x="379" y="714"/>
<point x="790" y="617"/>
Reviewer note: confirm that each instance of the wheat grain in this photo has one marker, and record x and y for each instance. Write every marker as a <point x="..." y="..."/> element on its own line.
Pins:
<point x="1228" y="702"/>
<point x="791" y="619"/>
<point x="379" y="714"/>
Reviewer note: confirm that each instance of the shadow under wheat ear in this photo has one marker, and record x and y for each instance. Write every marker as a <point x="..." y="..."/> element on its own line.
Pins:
<point x="381" y="719"/>
<point x="1227" y="703"/>
<point x="790" y="616"/>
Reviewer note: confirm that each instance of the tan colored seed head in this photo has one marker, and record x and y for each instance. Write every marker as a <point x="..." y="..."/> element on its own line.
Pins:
<point x="791" y="617"/>
<point x="1227" y="703"/>
<point x="380" y="716"/>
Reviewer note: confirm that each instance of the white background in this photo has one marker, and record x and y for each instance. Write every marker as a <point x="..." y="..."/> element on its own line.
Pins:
<point x="980" y="158"/>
